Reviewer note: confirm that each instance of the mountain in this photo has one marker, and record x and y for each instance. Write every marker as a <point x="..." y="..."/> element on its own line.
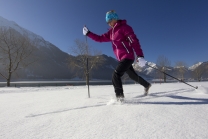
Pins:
<point x="193" y="67"/>
<point x="52" y="63"/>
<point x="106" y="69"/>
<point x="198" y="68"/>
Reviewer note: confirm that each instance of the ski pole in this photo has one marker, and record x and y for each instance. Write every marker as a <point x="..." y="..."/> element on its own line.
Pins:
<point x="172" y="77"/>
<point x="87" y="70"/>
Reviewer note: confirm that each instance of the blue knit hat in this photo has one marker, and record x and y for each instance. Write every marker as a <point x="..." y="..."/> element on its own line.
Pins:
<point x="111" y="15"/>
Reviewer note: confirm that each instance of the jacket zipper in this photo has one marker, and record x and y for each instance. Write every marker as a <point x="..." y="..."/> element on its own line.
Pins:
<point x="125" y="47"/>
<point x="114" y="43"/>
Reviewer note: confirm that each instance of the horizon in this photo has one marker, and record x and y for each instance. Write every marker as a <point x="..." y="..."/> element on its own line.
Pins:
<point x="174" y="29"/>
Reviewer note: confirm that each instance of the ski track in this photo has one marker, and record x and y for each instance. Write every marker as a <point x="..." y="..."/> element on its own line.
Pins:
<point x="170" y="111"/>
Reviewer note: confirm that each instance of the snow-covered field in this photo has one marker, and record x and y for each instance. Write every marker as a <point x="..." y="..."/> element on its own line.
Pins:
<point x="170" y="111"/>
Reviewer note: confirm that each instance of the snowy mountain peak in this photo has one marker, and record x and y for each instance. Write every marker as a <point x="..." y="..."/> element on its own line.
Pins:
<point x="149" y="70"/>
<point x="152" y="64"/>
<point x="5" y="22"/>
<point x="11" y="24"/>
<point x="195" y="66"/>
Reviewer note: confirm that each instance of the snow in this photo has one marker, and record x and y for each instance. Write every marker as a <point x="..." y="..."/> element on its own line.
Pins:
<point x="171" y="110"/>
<point x="195" y="66"/>
<point x="149" y="69"/>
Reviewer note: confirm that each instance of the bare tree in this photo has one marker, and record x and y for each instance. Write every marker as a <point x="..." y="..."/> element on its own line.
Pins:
<point x="83" y="53"/>
<point x="163" y="63"/>
<point x="15" y="50"/>
<point x="182" y="68"/>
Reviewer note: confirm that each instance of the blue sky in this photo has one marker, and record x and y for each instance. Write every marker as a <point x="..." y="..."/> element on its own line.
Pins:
<point x="176" y="29"/>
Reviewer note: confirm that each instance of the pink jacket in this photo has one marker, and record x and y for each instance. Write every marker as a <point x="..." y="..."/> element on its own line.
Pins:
<point x="124" y="41"/>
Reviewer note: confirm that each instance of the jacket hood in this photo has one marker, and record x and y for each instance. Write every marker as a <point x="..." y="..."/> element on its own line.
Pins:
<point x="122" y="22"/>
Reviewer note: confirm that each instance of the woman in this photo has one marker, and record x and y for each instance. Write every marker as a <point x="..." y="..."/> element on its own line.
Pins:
<point x="124" y="43"/>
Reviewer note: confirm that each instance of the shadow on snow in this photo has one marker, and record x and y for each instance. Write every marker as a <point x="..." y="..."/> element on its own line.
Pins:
<point x="60" y="111"/>
<point x="138" y="100"/>
<point x="171" y="94"/>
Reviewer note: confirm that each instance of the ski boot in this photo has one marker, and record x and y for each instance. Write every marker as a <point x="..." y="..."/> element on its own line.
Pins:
<point x="120" y="97"/>
<point x="146" y="90"/>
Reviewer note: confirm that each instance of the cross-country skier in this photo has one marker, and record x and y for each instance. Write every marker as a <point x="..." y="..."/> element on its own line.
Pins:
<point x="124" y="43"/>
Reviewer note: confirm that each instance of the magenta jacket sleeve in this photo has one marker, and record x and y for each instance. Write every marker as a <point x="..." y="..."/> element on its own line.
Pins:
<point x="129" y="33"/>
<point x="102" y="38"/>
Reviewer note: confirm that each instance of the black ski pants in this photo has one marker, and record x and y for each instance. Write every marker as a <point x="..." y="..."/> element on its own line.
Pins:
<point x="123" y="66"/>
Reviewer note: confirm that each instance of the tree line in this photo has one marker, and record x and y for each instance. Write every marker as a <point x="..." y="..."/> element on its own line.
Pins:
<point x="17" y="52"/>
<point x="164" y="65"/>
